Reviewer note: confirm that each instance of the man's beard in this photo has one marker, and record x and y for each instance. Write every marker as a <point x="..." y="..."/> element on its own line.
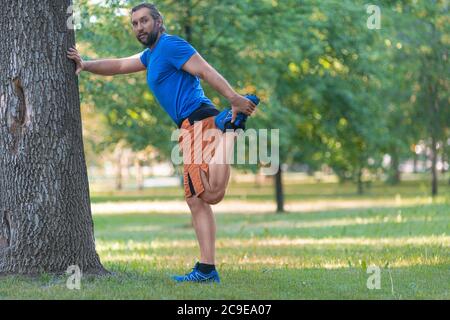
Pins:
<point x="151" y="38"/>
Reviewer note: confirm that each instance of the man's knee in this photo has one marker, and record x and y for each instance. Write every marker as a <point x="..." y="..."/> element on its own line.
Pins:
<point x="213" y="197"/>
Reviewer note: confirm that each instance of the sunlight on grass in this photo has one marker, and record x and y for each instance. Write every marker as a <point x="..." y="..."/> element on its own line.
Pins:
<point x="178" y="205"/>
<point x="256" y="262"/>
<point x="284" y="253"/>
<point x="340" y="222"/>
<point x="276" y="242"/>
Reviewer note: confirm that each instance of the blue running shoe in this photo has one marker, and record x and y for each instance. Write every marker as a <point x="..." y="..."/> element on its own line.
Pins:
<point x="223" y="119"/>
<point x="196" y="276"/>
<point x="241" y="118"/>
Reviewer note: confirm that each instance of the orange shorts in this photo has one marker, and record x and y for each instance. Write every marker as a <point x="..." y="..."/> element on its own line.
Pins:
<point x="198" y="147"/>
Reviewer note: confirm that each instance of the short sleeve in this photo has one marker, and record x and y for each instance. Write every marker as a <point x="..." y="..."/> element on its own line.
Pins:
<point x="178" y="51"/>
<point x="144" y="57"/>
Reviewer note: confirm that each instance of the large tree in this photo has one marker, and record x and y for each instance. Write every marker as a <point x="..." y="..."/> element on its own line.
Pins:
<point x="45" y="216"/>
<point x="428" y="47"/>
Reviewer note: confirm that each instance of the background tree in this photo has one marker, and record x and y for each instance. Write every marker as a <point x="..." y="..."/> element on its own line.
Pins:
<point x="427" y="49"/>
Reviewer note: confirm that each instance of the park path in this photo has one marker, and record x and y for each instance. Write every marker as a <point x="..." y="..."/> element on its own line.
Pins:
<point x="250" y="207"/>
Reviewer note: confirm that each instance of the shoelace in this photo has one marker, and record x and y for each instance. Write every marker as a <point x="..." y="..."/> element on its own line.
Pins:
<point x="195" y="276"/>
<point x="189" y="273"/>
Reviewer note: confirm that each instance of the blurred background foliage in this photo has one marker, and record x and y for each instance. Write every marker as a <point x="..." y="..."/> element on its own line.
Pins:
<point x="354" y="101"/>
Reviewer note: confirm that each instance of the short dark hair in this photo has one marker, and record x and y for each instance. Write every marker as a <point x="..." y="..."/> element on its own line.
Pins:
<point x="154" y="12"/>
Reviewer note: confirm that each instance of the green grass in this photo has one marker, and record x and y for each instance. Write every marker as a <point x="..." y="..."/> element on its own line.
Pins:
<point x="321" y="255"/>
<point x="293" y="191"/>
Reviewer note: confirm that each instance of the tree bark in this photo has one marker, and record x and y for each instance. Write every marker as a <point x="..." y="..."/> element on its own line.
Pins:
<point x="395" y="175"/>
<point x="279" y="190"/>
<point x="45" y="216"/>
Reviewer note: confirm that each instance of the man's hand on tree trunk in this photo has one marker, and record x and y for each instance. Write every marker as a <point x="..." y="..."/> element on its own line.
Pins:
<point x="75" y="56"/>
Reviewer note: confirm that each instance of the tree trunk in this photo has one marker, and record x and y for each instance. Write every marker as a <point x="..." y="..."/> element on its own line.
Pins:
<point x="188" y="22"/>
<point x="119" y="168"/>
<point x="434" y="127"/>
<point x="45" y="215"/>
<point x="279" y="190"/>
<point x="448" y="159"/>
<point x="444" y="158"/>
<point x="126" y="166"/>
<point x="394" y="178"/>
<point x="415" y="162"/>
<point x="360" y="182"/>
<point x="434" y="177"/>
<point x="139" y="175"/>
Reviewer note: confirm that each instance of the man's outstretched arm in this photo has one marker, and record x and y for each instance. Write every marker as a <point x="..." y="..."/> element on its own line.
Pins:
<point x="106" y="67"/>
<point x="198" y="66"/>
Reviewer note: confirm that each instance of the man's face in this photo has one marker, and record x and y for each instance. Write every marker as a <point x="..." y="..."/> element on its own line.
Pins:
<point x="144" y="27"/>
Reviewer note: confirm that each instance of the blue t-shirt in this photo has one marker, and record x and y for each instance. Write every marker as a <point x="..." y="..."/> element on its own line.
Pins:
<point x="176" y="90"/>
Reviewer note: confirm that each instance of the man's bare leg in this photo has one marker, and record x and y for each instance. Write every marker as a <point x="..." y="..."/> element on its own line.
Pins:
<point x="202" y="214"/>
<point x="205" y="228"/>
<point x="219" y="170"/>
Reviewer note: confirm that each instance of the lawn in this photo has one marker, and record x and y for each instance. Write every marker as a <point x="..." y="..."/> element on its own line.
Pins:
<point x="317" y="255"/>
<point x="296" y="190"/>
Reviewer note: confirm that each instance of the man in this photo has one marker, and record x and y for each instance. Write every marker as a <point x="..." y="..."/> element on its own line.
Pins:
<point x="173" y="71"/>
